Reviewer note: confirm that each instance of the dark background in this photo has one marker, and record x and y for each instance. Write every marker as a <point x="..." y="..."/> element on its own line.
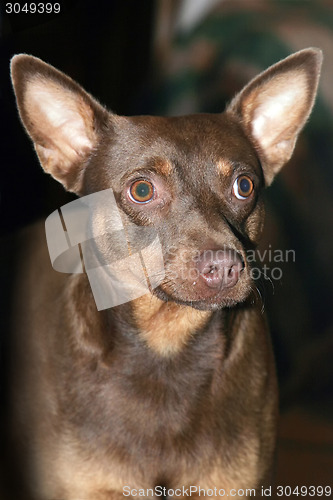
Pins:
<point x="106" y="46"/>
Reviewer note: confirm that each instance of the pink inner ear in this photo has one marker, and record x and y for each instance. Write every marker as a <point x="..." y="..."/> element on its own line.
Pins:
<point x="61" y="121"/>
<point x="277" y="112"/>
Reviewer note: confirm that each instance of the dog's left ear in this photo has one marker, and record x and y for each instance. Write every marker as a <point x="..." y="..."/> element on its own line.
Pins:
<point x="275" y="105"/>
<point x="62" y="119"/>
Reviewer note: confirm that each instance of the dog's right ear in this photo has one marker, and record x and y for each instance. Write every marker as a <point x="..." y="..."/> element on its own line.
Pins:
<point x="60" y="117"/>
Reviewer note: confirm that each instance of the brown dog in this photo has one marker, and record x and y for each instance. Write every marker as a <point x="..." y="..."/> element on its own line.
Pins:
<point x="176" y="388"/>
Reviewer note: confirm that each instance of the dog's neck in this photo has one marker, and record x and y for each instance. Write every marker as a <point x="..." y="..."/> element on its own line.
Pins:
<point x="164" y="327"/>
<point x="167" y="327"/>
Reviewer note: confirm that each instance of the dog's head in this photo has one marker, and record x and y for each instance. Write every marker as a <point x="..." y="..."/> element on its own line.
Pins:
<point x="197" y="180"/>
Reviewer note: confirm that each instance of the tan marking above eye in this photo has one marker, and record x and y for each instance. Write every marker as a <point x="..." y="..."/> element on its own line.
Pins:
<point x="224" y="167"/>
<point x="163" y="167"/>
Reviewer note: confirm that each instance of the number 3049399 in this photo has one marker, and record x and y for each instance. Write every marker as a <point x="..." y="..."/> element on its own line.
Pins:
<point x="32" y="8"/>
<point x="308" y="491"/>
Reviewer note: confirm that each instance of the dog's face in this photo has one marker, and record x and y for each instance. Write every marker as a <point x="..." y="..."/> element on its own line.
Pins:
<point x="197" y="180"/>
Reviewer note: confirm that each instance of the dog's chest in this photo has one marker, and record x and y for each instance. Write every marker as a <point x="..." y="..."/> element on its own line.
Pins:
<point x="159" y="434"/>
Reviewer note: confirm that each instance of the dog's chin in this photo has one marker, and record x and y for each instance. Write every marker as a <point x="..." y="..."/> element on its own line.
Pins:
<point x="216" y="302"/>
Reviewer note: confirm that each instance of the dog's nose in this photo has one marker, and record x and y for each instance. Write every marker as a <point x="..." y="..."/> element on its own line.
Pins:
<point x="220" y="268"/>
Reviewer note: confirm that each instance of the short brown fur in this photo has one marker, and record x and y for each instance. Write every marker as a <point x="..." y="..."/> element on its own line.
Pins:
<point x="176" y="388"/>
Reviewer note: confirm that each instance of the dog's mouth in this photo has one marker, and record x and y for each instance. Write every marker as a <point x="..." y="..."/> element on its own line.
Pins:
<point x="211" y="279"/>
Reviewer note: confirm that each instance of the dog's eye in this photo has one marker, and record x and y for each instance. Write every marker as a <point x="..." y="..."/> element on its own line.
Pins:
<point x="141" y="191"/>
<point x="243" y="187"/>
